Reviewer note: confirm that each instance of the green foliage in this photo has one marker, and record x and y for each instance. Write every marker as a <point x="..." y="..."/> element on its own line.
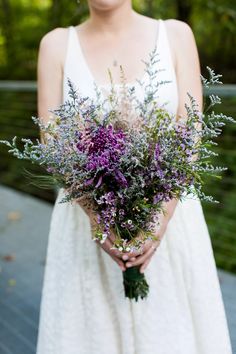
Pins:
<point x="24" y="22"/>
<point x="221" y="217"/>
<point x="214" y="24"/>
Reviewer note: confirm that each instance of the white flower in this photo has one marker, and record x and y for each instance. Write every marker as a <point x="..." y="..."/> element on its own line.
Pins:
<point x="129" y="222"/>
<point x="104" y="236"/>
<point x="120" y="248"/>
<point x="128" y="249"/>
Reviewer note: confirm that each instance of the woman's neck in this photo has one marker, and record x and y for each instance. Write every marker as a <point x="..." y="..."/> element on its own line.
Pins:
<point x="112" y="21"/>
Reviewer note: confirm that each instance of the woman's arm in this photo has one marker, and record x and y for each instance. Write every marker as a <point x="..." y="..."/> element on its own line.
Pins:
<point x="187" y="67"/>
<point x="50" y="72"/>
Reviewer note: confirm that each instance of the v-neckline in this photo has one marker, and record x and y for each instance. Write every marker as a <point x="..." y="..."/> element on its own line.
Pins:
<point x="90" y="74"/>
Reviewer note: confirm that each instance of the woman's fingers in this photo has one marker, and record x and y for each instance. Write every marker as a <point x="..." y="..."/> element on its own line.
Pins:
<point x="143" y="248"/>
<point x="107" y="245"/>
<point x="115" y="254"/>
<point x="135" y="254"/>
<point x="139" y="260"/>
<point x="129" y="259"/>
<point x="124" y="255"/>
<point x="143" y="258"/>
<point x="131" y="255"/>
<point x="144" y="265"/>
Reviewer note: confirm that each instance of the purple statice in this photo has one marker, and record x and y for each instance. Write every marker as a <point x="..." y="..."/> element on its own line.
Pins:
<point x="157" y="152"/>
<point x="107" y="211"/>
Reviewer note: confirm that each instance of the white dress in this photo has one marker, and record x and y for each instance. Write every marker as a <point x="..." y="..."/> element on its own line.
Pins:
<point x="83" y="308"/>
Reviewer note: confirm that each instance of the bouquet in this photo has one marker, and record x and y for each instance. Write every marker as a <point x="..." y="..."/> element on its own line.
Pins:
<point x="126" y="157"/>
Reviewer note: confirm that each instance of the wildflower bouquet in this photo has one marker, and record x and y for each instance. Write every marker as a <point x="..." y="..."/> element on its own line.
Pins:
<point x="126" y="157"/>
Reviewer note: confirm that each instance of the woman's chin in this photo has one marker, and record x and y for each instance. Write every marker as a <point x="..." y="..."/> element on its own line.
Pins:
<point x="106" y="5"/>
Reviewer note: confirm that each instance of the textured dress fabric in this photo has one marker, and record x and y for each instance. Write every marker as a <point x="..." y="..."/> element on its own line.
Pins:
<point x="83" y="308"/>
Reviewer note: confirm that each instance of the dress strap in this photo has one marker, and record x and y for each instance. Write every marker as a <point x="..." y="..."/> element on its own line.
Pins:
<point x="164" y="45"/>
<point x="75" y="53"/>
<point x="158" y="28"/>
<point x="75" y="67"/>
<point x="70" y="51"/>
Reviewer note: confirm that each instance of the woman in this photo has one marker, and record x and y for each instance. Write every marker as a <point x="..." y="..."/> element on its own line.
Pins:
<point x="83" y="308"/>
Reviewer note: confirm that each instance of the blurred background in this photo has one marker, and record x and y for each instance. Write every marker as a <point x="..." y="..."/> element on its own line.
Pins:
<point x="22" y="25"/>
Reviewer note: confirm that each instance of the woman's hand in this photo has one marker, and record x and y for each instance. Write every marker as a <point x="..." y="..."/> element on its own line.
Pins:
<point x="107" y="245"/>
<point x="147" y="250"/>
<point x="143" y="260"/>
<point x="135" y="258"/>
<point x="149" y="247"/>
<point x="113" y="253"/>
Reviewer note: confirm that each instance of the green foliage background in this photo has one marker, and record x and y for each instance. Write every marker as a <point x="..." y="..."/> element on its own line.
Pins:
<point x="24" y="22"/>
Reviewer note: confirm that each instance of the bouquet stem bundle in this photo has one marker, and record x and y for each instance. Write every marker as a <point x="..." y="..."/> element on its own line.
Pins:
<point x="135" y="284"/>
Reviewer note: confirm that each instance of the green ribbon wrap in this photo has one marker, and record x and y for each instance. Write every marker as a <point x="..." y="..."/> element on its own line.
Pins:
<point x="135" y="284"/>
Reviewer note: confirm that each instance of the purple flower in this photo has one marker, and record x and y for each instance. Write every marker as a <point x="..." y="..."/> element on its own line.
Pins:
<point x="104" y="147"/>
<point x="158" y="198"/>
<point x="157" y="152"/>
<point x="121" y="178"/>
